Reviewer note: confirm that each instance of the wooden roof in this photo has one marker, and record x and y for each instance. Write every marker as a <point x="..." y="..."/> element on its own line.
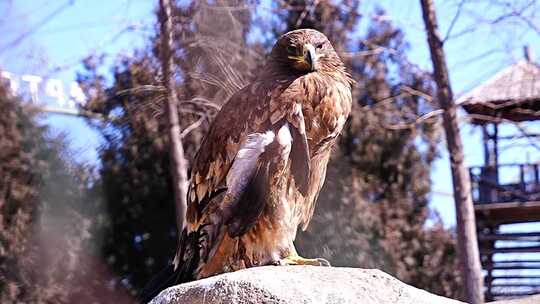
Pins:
<point x="512" y="94"/>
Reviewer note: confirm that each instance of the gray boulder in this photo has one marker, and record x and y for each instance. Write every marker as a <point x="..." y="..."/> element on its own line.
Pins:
<point x="299" y="284"/>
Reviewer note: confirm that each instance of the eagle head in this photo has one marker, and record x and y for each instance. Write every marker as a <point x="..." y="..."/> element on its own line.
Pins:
<point x="304" y="51"/>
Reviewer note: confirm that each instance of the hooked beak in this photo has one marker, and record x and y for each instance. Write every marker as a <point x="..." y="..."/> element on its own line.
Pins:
<point x="306" y="61"/>
<point x="310" y="56"/>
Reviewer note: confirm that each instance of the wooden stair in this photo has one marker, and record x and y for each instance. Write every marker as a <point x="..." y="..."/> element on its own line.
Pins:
<point x="508" y="276"/>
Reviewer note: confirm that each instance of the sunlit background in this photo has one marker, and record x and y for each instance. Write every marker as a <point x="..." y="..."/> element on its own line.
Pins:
<point x="63" y="47"/>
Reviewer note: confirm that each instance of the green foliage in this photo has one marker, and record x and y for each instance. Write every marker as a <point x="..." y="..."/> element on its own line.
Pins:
<point x="35" y="185"/>
<point x="21" y="160"/>
<point x="139" y="234"/>
<point x="49" y="217"/>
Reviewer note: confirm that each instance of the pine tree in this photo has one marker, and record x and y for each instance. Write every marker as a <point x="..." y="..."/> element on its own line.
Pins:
<point x="48" y="214"/>
<point x="212" y="62"/>
<point x="20" y="166"/>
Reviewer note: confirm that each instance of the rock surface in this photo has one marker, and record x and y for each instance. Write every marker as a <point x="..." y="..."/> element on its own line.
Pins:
<point x="299" y="284"/>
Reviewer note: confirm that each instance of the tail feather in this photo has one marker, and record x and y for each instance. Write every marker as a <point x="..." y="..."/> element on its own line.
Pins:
<point x="188" y="256"/>
<point x="164" y="279"/>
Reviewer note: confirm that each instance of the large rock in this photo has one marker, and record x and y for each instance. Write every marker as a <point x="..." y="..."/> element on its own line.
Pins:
<point x="299" y="284"/>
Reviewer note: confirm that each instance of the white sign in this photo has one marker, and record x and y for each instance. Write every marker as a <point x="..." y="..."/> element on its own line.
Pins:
<point x="49" y="91"/>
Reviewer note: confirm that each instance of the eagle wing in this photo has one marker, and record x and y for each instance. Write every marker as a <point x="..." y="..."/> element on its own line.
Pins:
<point x="230" y="172"/>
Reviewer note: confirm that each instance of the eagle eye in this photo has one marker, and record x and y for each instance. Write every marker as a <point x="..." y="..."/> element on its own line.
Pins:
<point x="319" y="45"/>
<point x="291" y="49"/>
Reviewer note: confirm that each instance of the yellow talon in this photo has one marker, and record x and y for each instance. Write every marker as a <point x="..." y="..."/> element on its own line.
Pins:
<point x="298" y="260"/>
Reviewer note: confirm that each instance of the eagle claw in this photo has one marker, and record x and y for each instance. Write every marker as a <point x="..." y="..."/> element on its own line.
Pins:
<point x="323" y="262"/>
<point x="279" y="262"/>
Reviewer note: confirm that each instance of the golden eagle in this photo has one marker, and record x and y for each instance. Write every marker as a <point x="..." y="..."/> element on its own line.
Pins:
<point x="259" y="170"/>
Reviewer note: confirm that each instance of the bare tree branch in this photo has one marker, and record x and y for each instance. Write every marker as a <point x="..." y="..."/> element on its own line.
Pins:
<point x="37" y="26"/>
<point x="414" y="124"/>
<point x="453" y="22"/>
<point x="178" y="162"/>
<point x="465" y="218"/>
<point x="192" y="127"/>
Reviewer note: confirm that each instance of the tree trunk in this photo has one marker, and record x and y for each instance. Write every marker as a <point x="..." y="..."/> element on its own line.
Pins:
<point x="178" y="164"/>
<point x="466" y="229"/>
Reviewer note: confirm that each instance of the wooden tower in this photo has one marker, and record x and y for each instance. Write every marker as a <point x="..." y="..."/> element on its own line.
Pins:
<point x="510" y="97"/>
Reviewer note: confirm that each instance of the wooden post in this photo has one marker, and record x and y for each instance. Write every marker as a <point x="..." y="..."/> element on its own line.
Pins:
<point x="522" y="183"/>
<point x="489" y="262"/>
<point x="496" y="152"/>
<point x="178" y="165"/>
<point x="486" y="174"/>
<point x="485" y="139"/>
<point x="466" y="229"/>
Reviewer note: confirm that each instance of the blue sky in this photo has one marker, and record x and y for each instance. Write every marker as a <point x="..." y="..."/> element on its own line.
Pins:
<point x="472" y="59"/>
<point x="56" y="49"/>
<point x="113" y="27"/>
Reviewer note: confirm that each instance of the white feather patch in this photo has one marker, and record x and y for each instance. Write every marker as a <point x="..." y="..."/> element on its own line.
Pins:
<point x="297" y="109"/>
<point x="284" y="136"/>
<point x="338" y="127"/>
<point x="340" y="122"/>
<point x="246" y="160"/>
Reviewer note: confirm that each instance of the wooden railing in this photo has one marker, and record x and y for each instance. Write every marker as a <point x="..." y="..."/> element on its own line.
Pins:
<point x="505" y="183"/>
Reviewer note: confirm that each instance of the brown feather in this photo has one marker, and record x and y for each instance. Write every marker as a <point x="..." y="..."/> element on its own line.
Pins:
<point x="300" y="156"/>
<point x="252" y="219"/>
